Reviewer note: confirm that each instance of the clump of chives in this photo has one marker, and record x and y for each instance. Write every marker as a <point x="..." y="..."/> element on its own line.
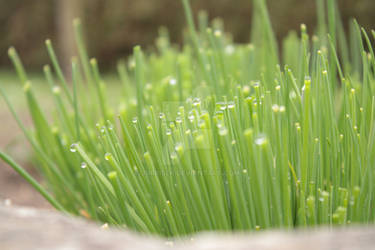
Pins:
<point x="215" y="136"/>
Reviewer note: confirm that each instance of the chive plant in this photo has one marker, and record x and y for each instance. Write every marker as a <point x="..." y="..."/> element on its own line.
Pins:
<point x="215" y="135"/>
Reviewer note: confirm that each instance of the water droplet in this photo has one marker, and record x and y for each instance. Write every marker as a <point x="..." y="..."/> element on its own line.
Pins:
<point x="135" y="120"/>
<point x="231" y="105"/>
<point x="102" y="130"/>
<point x="161" y="115"/>
<point x="222" y="105"/>
<point x="178" y="120"/>
<point x="172" y="81"/>
<point x="246" y="90"/>
<point x="168" y="132"/>
<point x="108" y="156"/>
<point x="191" y="117"/>
<point x="256" y="84"/>
<point x="261" y="140"/>
<point x="223" y="131"/>
<point x="196" y="102"/>
<point x="178" y="146"/>
<point x="275" y="108"/>
<point x="73" y="147"/>
<point x="56" y="90"/>
<point x="83" y="165"/>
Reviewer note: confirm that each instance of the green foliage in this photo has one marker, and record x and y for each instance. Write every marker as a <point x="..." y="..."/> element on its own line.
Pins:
<point x="215" y="136"/>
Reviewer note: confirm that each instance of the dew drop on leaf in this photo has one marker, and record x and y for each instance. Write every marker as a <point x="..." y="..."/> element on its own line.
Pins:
<point x="73" y="147"/>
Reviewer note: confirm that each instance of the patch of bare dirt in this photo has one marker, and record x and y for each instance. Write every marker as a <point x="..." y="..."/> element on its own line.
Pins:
<point x="12" y="186"/>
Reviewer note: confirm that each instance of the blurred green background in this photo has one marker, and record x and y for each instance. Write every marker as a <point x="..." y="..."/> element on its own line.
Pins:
<point x="113" y="27"/>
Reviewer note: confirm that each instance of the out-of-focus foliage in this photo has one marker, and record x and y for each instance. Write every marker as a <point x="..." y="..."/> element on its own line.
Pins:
<point x="114" y="27"/>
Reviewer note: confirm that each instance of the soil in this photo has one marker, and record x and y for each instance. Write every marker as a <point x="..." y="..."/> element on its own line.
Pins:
<point x="12" y="186"/>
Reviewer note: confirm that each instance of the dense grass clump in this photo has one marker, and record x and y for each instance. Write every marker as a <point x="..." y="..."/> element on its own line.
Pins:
<point x="215" y="135"/>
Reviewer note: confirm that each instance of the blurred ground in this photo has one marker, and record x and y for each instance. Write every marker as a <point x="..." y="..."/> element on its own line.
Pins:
<point x="18" y="191"/>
